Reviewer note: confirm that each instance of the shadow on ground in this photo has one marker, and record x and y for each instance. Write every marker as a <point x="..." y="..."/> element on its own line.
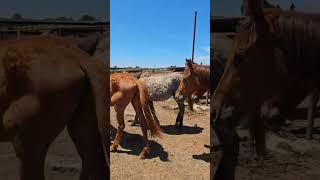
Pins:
<point x="133" y="143"/>
<point x="170" y="129"/>
<point x="204" y="156"/>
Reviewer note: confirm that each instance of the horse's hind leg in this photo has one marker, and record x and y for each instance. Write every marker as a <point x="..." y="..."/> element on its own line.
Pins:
<point x="153" y="111"/>
<point x="137" y="107"/>
<point x="31" y="157"/>
<point x="84" y="132"/>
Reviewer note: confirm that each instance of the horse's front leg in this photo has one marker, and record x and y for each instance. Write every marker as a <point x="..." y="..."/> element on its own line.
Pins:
<point x="135" y="121"/>
<point x="229" y="144"/>
<point x="179" y="119"/>
<point x="153" y="111"/>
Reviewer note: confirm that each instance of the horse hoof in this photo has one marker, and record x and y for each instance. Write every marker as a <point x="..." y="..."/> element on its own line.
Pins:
<point x="114" y="148"/>
<point x="142" y="156"/>
<point x="144" y="152"/>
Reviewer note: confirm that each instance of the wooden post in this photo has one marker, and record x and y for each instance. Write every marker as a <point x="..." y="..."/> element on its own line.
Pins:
<point x="194" y="35"/>
<point x="313" y="100"/>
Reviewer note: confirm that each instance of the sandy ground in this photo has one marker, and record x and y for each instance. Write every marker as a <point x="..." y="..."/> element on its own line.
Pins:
<point x="176" y="156"/>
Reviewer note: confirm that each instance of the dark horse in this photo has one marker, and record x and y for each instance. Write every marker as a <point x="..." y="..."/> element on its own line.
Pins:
<point x="273" y="50"/>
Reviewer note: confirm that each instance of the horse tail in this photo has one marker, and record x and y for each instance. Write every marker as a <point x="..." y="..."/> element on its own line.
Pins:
<point x="152" y="125"/>
<point x="99" y="85"/>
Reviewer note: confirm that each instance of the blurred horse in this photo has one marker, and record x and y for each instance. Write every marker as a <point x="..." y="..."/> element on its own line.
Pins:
<point x="272" y="50"/>
<point x="47" y="83"/>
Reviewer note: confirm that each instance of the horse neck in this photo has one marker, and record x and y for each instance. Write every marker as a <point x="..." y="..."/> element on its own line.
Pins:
<point x="203" y="72"/>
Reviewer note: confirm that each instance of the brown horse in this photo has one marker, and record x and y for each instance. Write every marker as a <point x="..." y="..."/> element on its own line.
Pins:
<point x="195" y="81"/>
<point x="48" y="83"/>
<point x="124" y="88"/>
<point x="272" y="50"/>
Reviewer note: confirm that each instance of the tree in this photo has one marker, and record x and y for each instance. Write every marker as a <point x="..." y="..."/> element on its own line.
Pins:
<point x="16" y="16"/>
<point x="87" y="18"/>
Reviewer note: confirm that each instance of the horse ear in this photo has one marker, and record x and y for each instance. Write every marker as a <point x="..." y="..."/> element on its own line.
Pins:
<point x="189" y="65"/>
<point x="253" y="8"/>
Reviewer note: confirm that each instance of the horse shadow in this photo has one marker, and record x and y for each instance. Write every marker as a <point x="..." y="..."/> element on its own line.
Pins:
<point x="171" y="130"/>
<point x="133" y="143"/>
<point x="204" y="156"/>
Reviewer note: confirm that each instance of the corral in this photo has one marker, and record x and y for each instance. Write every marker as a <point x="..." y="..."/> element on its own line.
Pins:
<point x="180" y="154"/>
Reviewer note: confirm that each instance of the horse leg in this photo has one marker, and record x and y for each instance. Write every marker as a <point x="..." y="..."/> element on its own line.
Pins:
<point x="190" y="103"/>
<point x="31" y="158"/>
<point x="229" y="142"/>
<point x="311" y="111"/>
<point x="84" y="132"/>
<point x="121" y="126"/>
<point x="153" y="112"/>
<point x="135" y="121"/>
<point x="207" y="97"/>
<point x="137" y="107"/>
<point x="179" y="119"/>
<point x="257" y="131"/>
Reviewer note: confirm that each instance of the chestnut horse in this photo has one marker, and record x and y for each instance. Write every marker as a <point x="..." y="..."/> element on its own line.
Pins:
<point x="124" y="88"/>
<point x="272" y="50"/>
<point x="195" y="81"/>
<point x="47" y="83"/>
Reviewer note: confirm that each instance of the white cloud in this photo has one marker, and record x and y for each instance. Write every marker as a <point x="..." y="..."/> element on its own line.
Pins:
<point x="205" y="57"/>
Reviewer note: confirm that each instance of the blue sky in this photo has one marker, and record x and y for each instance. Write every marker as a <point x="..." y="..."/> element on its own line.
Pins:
<point x="232" y="7"/>
<point x="54" y="8"/>
<point x="158" y="33"/>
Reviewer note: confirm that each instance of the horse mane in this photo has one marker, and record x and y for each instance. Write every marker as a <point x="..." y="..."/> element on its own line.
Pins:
<point x="203" y="72"/>
<point x="289" y="25"/>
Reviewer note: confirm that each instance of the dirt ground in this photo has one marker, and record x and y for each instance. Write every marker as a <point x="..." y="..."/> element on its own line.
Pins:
<point x="62" y="163"/>
<point x="175" y="156"/>
<point x="290" y="155"/>
<point x="183" y="155"/>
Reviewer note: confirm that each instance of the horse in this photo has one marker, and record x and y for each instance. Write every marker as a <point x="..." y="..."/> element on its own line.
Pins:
<point x="124" y="88"/>
<point x="162" y="87"/>
<point x="273" y="49"/>
<point x="47" y="83"/>
<point x="195" y="79"/>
